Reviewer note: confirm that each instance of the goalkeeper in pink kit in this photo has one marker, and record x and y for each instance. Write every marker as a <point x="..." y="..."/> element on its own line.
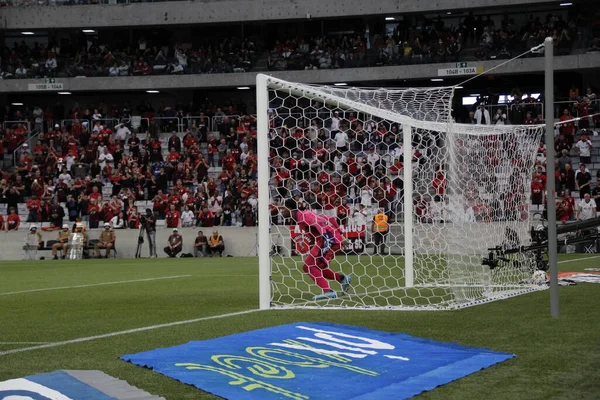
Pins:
<point x="328" y="240"/>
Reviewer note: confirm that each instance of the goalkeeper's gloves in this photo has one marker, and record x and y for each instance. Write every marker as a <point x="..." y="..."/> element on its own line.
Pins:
<point x="328" y="241"/>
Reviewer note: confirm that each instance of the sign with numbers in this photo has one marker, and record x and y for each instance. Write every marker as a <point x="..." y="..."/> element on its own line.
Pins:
<point x="49" y="84"/>
<point x="461" y="69"/>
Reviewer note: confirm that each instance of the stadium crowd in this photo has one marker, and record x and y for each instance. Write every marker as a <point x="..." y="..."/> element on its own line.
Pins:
<point x="206" y="175"/>
<point x="143" y="58"/>
<point x="428" y="41"/>
<point x="423" y="41"/>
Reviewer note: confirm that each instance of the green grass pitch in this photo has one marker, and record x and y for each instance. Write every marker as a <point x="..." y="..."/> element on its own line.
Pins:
<point x="556" y="358"/>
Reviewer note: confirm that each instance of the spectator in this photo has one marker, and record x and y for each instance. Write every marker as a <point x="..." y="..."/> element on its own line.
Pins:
<point x="586" y="208"/>
<point x="595" y="193"/>
<point x="62" y="243"/>
<point x="482" y="115"/>
<point x="51" y="64"/>
<point x="216" y="244"/>
<point x="584" y="146"/>
<point x="122" y="133"/>
<point x="105" y="241"/>
<point x="174" y="142"/>
<point x="187" y="217"/>
<point x="564" y="159"/>
<point x="205" y="218"/>
<point x="174" y="245"/>
<point x="341" y="141"/>
<point x="500" y="118"/>
<point x="118" y="221"/>
<point x="72" y="208"/>
<point x="172" y="217"/>
<point x="567" y="126"/>
<point x="200" y="245"/>
<point x="583" y="179"/>
<point x="248" y="216"/>
<point x="149" y="223"/>
<point x="13" y="222"/>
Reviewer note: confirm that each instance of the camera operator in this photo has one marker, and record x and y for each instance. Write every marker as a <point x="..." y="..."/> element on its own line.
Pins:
<point x="149" y="223"/>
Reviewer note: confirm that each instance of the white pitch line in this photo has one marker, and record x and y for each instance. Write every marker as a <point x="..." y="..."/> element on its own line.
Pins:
<point x="95" y="284"/>
<point x="119" y="333"/>
<point x="24" y="343"/>
<point x="578" y="259"/>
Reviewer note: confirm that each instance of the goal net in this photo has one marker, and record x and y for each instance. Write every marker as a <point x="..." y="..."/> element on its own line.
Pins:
<point x="450" y="192"/>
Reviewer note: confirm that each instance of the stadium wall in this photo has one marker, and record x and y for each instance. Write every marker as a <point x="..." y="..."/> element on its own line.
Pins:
<point x="577" y="62"/>
<point x="239" y="241"/>
<point x="223" y="11"/>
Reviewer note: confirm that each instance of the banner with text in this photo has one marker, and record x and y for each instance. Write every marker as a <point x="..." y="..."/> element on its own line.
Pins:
<point x="304" y="361"/>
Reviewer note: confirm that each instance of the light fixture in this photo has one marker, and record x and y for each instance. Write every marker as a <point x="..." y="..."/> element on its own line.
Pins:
<point x="64" y="92"/>
<point x="389" y="18"/>
<point x="243" y="87"/>
<point x="437" y="80"/>
<point x="17" y="104"/>
<point x="88" y="31"/>
<point x="449" y="13"/>
<point x="27" y="33"/>
<point x="458" y="87"/>
<point x="474" y="95"/>
<point x="566" y="4"/>
<point x="340" y="84"/>
<point x="152" y="91"/>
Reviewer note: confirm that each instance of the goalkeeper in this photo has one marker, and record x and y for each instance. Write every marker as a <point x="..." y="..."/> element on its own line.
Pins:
<point x="327" y="241"/>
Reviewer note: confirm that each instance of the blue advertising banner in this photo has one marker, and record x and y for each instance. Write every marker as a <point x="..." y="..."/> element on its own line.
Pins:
<point x="317" y="361"/>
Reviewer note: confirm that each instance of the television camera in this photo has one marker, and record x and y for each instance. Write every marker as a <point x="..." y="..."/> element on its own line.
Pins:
<point x="571" y="233"/>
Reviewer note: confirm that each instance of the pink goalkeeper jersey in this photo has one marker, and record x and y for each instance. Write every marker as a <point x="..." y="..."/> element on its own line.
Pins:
<point x="321" y="223"/>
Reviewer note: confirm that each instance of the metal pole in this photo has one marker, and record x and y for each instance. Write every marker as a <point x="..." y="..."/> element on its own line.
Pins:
<point x="409" y="274"/>
<point x="550" y="184"/>
<point x="264" y="222"/>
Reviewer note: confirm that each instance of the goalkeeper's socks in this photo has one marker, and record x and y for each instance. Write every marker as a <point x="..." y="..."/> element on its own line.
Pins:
<point x="326" y="295"/>
<point x="346" y="281"/>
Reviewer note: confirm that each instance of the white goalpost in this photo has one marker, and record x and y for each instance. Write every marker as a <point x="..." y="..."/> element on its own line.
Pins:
<point x="451" y="192"/>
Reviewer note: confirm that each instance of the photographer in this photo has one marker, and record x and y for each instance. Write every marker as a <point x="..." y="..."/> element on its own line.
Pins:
<point x="149" y="223"/>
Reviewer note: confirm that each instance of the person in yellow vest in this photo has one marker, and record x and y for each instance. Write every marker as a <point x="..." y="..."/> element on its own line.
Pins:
<point x="381" y="228"/>
<point x="216" y="244"/>
<point x="62" y="243"/>
<point x="106" y="241"/>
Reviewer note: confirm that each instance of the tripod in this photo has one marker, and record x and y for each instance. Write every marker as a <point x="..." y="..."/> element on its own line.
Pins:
<point x="138" y="252"/>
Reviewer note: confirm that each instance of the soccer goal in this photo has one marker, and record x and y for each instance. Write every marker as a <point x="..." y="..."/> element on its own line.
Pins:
<point x="450" y="193"/>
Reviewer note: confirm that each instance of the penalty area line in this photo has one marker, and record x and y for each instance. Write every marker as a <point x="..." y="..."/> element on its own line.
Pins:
<point x="126" y="332"/>
<point x="95" y="284"/>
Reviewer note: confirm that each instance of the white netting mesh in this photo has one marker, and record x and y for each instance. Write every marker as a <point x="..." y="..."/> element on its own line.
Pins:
<point x="339" y="152"/>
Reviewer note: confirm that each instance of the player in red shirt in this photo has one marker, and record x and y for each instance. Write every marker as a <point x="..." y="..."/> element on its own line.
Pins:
<point x="1" y="223"/>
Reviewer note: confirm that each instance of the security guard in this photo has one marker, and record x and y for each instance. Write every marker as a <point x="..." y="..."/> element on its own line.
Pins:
<point x="106" y="241"/>
<point x="62" y="243"/>
<point x="381" y="228"/>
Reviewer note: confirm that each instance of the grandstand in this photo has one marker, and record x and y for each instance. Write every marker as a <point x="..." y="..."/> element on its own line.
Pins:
<point x="39" y="134"/>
